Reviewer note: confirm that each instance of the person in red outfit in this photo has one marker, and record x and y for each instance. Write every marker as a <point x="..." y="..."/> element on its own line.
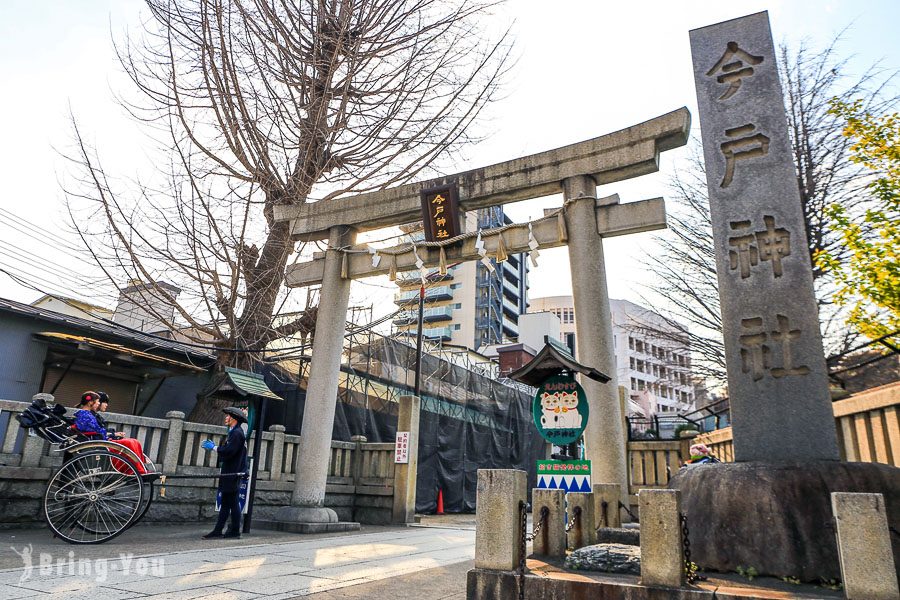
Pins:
<point x="91" y="423"/>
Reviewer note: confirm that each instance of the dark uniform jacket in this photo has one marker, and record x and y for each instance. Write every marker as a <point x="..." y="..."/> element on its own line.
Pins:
<point x="233" y="459"/>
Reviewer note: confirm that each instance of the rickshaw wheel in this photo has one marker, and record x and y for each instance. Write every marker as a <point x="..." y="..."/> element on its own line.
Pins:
<point x="147" y="501"/>
<point x="93" y="497"/>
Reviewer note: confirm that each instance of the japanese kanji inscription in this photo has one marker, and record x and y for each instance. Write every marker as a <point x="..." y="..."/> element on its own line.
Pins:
<point x="440" y="213"/>
<point x="733" y="67"/>
<point x="777" y="377"/>
<point x="748" y="248"/>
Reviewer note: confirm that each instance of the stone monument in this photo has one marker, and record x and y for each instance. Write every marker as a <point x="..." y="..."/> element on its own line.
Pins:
<point x="770" y="510"/>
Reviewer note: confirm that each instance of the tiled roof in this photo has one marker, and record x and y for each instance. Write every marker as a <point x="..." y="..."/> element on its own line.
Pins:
<point x="105" y="329"/>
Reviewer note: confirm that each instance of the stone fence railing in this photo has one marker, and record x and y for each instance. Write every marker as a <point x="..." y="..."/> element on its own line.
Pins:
<point x="868" y="426"/>
<point x="359" y="486"/>
<point x="651" y="463"/>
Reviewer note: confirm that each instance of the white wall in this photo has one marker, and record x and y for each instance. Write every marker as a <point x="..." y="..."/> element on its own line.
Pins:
<point x="533" y="326"/>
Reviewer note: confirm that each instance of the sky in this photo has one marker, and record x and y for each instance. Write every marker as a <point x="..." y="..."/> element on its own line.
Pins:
<point x="584" y="68"/>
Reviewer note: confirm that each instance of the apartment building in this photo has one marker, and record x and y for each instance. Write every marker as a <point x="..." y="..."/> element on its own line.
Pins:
<point x="651" y="360"/>
<point x="472" y="305"/>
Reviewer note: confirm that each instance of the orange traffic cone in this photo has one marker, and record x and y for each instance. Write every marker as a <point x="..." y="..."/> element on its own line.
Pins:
<point x="440" y="506"/>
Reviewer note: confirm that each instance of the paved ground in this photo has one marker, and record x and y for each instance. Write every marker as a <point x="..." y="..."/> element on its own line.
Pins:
<point x="427" y="563"/>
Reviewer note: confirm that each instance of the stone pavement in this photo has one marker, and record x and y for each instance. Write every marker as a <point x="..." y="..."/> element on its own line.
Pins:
<point x="151" y="562"/>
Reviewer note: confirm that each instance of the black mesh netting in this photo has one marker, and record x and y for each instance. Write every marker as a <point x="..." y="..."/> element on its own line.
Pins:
<point x="468" y="421"/>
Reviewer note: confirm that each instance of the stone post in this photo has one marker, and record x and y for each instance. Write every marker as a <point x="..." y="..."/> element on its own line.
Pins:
<point x="551" y="540"/>
<point x="357" y="458"/>
<point x="32" y="450"/>
<point x="662" y="553"/>
<point x="777" y="376"/>
<point x="277" y="464"/>
<point x="172" y="452"/>
<point x="604" y="435"/>
<point x="864" y="546"/>
<point x="585" y="531"/>
<point x="606" y="505"/>
<point x="404" y="508"/>
<point x="498" y="527"/>
<point x="308" y="498"/>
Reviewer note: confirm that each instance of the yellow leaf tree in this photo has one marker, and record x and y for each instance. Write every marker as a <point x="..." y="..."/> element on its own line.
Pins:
<point x="869" y="280"/>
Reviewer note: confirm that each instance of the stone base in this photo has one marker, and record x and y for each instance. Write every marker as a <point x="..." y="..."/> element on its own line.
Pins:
<point x="607" y="558"/>
<point x="547" y="582"/>
<point x="630" y="536"/>
<point x="306" y="514"/>
<point x="297" y="527"/>
<point x="776" y="518"/>
<point x="306" y="519"/>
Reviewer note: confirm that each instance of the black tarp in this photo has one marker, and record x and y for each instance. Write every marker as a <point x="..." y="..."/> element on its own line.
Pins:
<point x="468" y="421"/>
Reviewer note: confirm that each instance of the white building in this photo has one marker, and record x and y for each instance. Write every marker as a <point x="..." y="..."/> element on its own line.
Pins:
<point x="655" y="369"/>
<point x="470" y="306"/>
<point x="72" y="307"/>
<point x="142" y="306"/>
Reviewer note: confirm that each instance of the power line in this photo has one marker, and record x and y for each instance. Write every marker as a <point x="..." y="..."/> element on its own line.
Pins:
<point x="18" y="221"/>
<point x="48" y="268"/>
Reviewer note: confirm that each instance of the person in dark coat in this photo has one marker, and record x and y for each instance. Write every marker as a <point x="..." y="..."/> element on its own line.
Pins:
<point x="233" y="459"/>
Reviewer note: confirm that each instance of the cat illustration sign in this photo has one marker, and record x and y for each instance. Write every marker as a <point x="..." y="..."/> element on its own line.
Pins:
<point x="560" y="410"/>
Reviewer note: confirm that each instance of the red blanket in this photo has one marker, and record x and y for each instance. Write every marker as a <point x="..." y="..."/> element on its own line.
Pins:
<point x="135" y="446"/>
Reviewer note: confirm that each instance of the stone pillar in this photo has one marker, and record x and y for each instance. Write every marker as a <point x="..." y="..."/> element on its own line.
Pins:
<point x="173" y="441"/>
<point x="404" y="509"/>
<point x="604" y="435"/>
<point x="585" y="531"/>
<point x="277" y="463"/>
<point x="32" y="449"/>
<point x="662" y="553"/>
<point x="498" y="526"/>
<point x="777" y="376"/>
<point x="864" y="546"/>
<point x="551" y="539"/>
<point x="606" y="505"/>
<point x="307" y="500"/>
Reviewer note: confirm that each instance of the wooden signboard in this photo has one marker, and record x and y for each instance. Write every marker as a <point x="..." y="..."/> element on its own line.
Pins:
<point x="440" y="212"/>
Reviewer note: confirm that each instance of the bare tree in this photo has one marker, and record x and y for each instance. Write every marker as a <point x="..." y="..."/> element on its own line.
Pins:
<point x="260" y="103"/>
<point x="687" y="288"/>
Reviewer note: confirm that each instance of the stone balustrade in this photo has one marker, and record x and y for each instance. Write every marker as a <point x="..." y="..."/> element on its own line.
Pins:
<point x="360" y="474"/>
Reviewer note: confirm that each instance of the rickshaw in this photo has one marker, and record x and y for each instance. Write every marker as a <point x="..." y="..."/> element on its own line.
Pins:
<point x="101" y="489"/>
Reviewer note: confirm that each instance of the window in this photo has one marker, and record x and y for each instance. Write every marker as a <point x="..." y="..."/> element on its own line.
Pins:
<point x="457" y="327"/>
<point x="631" y="362"/>
<point x="570" y="341"/>
<point x="630" y="342"/>
<point x="634" y="384"/>
<point x="457" y="305"/>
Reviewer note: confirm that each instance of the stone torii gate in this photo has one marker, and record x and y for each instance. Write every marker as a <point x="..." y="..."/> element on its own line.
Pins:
<point x="576" y="170"/>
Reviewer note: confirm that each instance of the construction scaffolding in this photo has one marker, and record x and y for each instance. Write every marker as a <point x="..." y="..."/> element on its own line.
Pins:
<point x="469" y="419"/>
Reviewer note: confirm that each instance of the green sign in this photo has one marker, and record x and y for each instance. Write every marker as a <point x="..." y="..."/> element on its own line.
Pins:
<point x="570" y="475"/>
<point x="560" y="410"/>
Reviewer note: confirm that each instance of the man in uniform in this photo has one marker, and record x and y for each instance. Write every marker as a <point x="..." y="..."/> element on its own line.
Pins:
<point x="233" y="458"/>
